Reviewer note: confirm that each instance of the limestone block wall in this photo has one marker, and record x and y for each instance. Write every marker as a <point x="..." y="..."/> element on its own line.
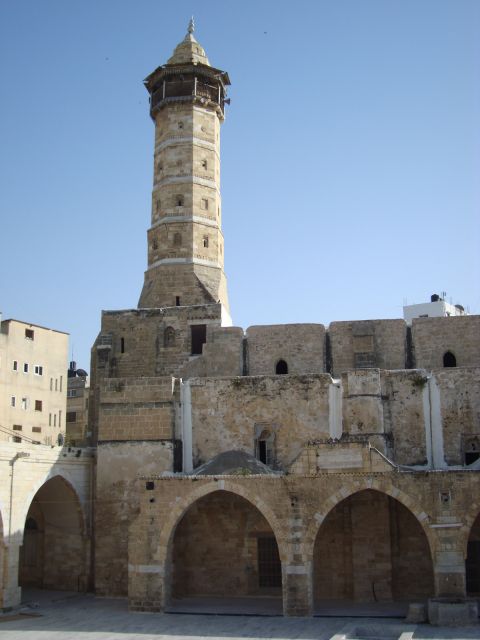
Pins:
<point x="230" y="413"/>
<point x="118" y="466"/>
<point x="367" y="343"/>
<point x="148" y="342"/>
<point x="406" y="415"/>
<point x="460" y="411"/>
<point x="136" y="409"/>
<point x="223" y="354"/>
<point x="302" y="347"/>
<point x="432" y="337"/>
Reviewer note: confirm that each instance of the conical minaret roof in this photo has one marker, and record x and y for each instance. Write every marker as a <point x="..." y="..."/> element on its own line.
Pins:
<point x="189" y="51"/>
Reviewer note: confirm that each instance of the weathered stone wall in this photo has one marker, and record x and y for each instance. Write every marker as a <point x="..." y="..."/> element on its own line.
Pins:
<point x="301" y="346"/>
<point x="460" y="411"/>
<point x="230" y="413"/>
<point x="404" y="416"/>
<point x="136" y="409"/>
<point x="117" y="502"/>
<point x="367" y="343"/>
<point x="433" y="337"/>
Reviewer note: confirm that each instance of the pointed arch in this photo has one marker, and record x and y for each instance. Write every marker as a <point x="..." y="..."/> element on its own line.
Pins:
<point x="380" y="486"/>
<point x="53" y="553"/>
<point x="348" y="567"/>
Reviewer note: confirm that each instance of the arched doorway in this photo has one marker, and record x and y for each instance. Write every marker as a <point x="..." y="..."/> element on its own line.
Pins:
<point x="54" y="555"/>
<point x="371" y="549"/>
<point x="224" y="558"/>
<point x="472" y="562"/>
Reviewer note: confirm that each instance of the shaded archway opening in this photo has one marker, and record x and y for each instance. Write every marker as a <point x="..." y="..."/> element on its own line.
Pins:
<point x="472" y="562"/>
<point x="371" y="550"/>
<point x="53" y="554"/>
<point x="225" y="558"/>
<point x="449" y="360"/>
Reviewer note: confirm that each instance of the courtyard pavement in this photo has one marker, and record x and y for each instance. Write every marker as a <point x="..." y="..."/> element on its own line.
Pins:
<point x="70" y="616"/>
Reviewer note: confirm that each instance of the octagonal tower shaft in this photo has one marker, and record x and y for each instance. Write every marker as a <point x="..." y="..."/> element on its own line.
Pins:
<point x="185" y="240"/>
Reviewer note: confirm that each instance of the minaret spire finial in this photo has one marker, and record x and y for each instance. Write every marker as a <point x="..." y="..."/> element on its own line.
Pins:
<point x="191" y="25"/>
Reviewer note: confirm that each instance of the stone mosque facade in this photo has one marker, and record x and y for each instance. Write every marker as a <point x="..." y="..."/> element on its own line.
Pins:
<point x="299" y="464"/>
<point x="299" y="461"/>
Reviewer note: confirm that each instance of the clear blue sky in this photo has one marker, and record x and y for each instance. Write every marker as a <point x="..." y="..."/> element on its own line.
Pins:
<point x="350" y="155"/>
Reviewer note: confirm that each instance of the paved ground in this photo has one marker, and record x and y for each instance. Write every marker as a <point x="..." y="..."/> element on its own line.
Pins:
<point x="63" y="616"/>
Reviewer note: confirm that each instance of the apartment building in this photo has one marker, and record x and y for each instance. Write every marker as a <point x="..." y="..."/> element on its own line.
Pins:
<point x="33" y="384"/>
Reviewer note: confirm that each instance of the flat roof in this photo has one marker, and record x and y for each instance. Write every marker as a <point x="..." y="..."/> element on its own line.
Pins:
<point x="32" y="324"/>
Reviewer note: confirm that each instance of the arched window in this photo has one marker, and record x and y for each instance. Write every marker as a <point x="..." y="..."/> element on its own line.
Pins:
<point x="281" y="367"/>
<point x="169" y="337"/>
<point x="177" y="239"/>
<point x="179" y="200"/>
<point x="449" y="359"/>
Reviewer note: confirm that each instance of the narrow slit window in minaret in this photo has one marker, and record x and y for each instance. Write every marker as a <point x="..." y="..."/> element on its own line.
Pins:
<point x="204" y="164"/>
<point x="177" y="239"/>
<point x="205" y="241"/>
<point x="204" y="204"/>
<point x="179" y="200"/>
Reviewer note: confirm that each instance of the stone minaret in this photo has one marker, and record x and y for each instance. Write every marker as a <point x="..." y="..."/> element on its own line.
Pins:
<point x="185" y="241"/>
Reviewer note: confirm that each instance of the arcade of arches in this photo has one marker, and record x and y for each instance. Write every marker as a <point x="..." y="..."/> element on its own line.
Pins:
<point x="307" y="540"/>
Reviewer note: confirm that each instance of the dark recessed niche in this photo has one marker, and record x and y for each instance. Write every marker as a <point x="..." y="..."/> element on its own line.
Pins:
<point x="150" y="485"/>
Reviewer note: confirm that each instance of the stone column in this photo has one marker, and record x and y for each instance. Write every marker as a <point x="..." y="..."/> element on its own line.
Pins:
<point x="297" y="569"/>
<point x="297" y="590"/>
<point x="10" y="593"/>
<point x="449" y="573"/>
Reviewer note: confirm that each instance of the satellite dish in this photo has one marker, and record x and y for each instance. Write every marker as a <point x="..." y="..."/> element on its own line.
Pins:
<point x="81" y="373"/>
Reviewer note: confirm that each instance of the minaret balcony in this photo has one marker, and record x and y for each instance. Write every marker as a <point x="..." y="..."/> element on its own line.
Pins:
<point x="185" y="91"/>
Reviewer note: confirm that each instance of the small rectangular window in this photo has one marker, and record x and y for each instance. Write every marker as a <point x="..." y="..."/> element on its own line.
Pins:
<point x="60" y="418"/>
<point x="49" y="419"/>
<point x="25" y="367"/>
<point x="37" y="429"/>
<point x="177" y="301"/>
<point x="205" y="242"/>
<point x="122" y="345"/>
<point x="38" y="405"/>
<point x="54" y="419"/>
<point x="199" y="337"/>
<point x="17" y="427"/>
<point x="13" y="401"/>
<point x="29" y="334"/>
<point x="38" y="370"/>
<point x="71" y="416"/>
<point x="15" y="365"/>
<point x="56" y="384"/>
<point x="24" y="404"/>
<point x="204" y="204"/>
<point x="16" y="439"/>
<point x="61" y="383"/>
<point x="71" y="393"/>
<point x="51" y="384"/>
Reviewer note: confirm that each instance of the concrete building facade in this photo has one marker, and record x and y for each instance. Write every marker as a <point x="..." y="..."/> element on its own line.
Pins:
<point x="298" y="462"/>
<point x="33" y="383"/>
